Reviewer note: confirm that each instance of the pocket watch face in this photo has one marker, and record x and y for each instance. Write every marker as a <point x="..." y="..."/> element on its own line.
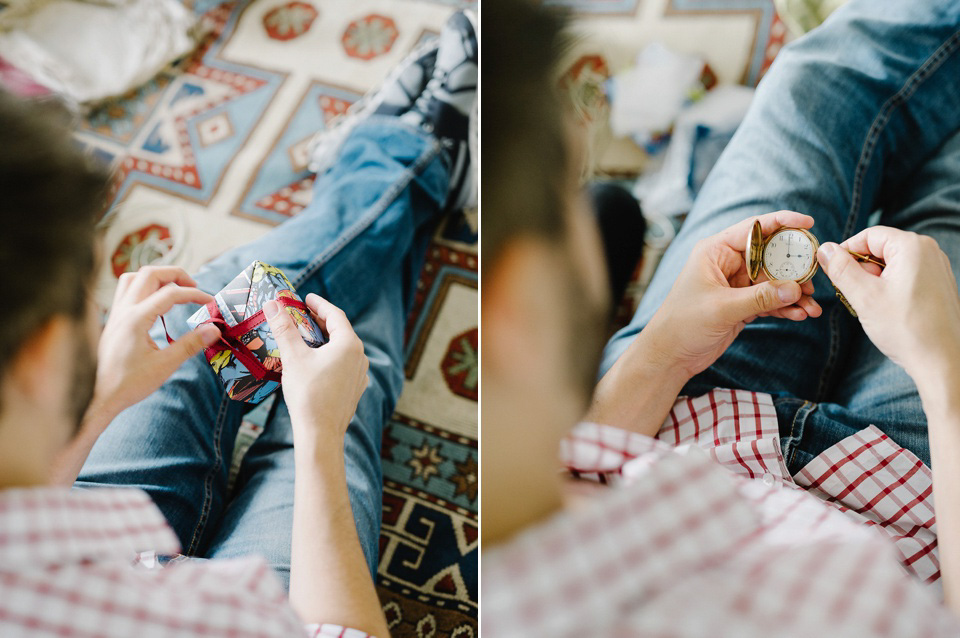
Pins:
<point x="790" y="254"/>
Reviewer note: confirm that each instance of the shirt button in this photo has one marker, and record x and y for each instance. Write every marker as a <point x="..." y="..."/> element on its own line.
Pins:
<point x="768" y="479"/>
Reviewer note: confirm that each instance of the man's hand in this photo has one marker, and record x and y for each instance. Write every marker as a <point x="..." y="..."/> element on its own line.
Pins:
<point x="329" y="578"/>
<point x="321" y="386"/>
<point x="713" y="298"/>
<point x="910" y="310"/>
<point x="709" y="304"/>
<point x="130" y="364"/>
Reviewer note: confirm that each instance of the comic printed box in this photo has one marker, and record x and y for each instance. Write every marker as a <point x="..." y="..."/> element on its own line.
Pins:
<point x="246" y="358"/>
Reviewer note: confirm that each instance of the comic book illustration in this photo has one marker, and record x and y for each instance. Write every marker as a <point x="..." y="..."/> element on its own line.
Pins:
<point x="240" y="299"/>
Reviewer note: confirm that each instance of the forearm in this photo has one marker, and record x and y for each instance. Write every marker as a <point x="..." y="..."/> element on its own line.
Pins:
<point x="329" y="578"/>
<point x="639" y="390"/>
<point x="940" y="393"/>
<point x="70" y="461"/>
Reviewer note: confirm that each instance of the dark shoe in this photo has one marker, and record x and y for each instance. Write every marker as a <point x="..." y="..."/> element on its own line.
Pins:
<point x="396" y="95"/>
<point x="444" y="107"/>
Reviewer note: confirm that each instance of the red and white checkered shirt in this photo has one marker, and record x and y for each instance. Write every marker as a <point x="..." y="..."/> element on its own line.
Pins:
<point x="707" y="534"/>
<point x="67" y="569"/>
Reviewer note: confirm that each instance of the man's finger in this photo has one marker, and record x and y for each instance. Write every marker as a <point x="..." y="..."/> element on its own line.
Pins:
<point x="167" y="297"/>
<point x="810" y="306"/>
<point x="845" y="272"/>
<point x="284" y="329"/>
<point x="149" y="279"/>
<point x="736" y="236"/>
<point x="879" y="241"/>
<point x="334" y="320"/>
<point x="123" y="282"/>
<point x="793" y="313"/>
<point x="742" y="303"/>
<point x="190" y="344"/>
<point x="872" y="269"/>
<point x="364" y="384"/>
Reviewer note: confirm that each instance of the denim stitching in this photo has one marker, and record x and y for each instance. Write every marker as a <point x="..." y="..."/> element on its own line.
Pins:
<point x="794" y="441"/>
<point x="375" y="211"/>
<point x="833" y="349"/>
<point x="208" y="481"/>
<point x="898" y="99"/>
<point x="866" y="155"/>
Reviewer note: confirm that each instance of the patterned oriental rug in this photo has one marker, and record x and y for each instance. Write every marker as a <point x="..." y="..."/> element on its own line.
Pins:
<point x="211" y="154"/>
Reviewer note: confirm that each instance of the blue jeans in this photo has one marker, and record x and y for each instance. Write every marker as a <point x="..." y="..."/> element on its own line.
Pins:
<point x="858" y="116"/>
<point x="361" y="244"/>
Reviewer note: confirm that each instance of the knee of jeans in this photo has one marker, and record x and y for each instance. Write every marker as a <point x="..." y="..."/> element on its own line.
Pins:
<point x="386" y="376"/>
<point x="805" y="73"/>
<point x="836" y="64"/>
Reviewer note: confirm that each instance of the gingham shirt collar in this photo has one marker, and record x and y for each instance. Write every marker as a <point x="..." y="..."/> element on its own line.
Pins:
<point x="51" y="526"/>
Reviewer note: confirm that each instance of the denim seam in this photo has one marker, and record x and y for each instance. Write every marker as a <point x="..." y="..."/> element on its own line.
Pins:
<point x="880" y="122"/>
<point x="794" y="440"/>
<point x="929" y="66"/>
<point x="836" y="316"/>
<point x="208" y="481"/>
<point x="375" y="211"/>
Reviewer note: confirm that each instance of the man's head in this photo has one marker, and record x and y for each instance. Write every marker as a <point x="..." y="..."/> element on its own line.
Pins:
<point x="50" y="197"/>
<point x="544" y="291"/>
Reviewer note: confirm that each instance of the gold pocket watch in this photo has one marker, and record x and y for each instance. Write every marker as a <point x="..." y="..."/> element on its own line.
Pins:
<point x="790" y="254"/>
<point x="787" y="254"/>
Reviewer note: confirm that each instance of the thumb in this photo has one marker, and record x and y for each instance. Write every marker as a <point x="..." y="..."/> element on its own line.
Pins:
<point x="187" y="346"/>
<point x="284" y="330"/>
<point x="844" y="271"/>
<point x="746" y="303"/>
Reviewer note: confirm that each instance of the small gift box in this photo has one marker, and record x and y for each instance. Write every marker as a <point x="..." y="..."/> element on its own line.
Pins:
<point x="247" y="358"/>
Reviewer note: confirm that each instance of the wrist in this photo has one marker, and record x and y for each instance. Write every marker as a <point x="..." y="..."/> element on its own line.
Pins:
<point x="98" y="416"/>
<point x="653" y="361"/>
<point x="316" y="445"/>
<point x="938" y="383"/>
<point x="637" y="392"/>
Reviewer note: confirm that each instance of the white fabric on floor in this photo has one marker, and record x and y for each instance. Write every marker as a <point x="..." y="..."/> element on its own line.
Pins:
<point x="89" y="51"/>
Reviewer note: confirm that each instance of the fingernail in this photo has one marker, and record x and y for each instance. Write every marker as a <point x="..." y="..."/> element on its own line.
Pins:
<point x="826" y="251"/>
<point x="271" y="308"/>
<point x="209" y="335"/>
<point x="785" y="293"/>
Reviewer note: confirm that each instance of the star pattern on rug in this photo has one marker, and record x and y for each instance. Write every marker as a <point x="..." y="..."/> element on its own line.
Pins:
<point x="467" y="479"/>
<point x="426" y="461"/>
